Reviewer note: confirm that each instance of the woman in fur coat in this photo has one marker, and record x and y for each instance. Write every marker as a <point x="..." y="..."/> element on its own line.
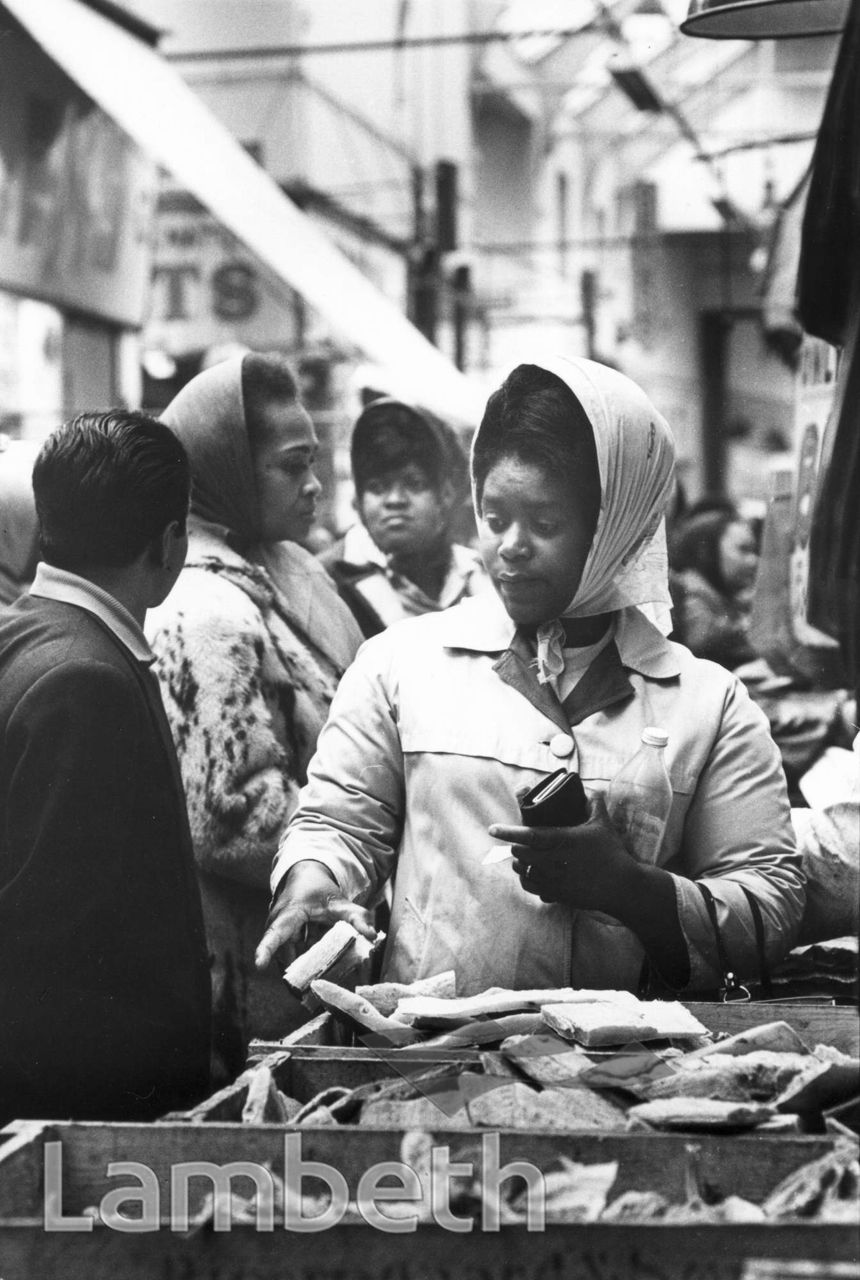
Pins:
<point x="251" y="644"/>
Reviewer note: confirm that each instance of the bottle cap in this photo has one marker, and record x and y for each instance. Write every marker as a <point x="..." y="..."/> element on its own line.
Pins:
<point x="655" y="737"/>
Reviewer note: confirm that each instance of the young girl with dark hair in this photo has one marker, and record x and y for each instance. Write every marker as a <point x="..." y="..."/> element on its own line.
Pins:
<point x="401" y="558"/>
<point x="443" y="722"/>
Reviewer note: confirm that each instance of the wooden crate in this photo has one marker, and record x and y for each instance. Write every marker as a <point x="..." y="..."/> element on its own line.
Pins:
<point x="744" y="1166"/>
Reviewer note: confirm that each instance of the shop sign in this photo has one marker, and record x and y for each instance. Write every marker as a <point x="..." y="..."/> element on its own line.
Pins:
<point x="816" y="380"/>
<point x="76" y="195"/>
<point x="208" y="289"/>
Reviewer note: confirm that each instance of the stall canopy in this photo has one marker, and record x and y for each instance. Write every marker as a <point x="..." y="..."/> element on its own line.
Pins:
<point x="149" y="100"/>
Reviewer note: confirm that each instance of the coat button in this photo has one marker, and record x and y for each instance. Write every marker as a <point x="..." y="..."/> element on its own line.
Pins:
<point x="561" y="745"/>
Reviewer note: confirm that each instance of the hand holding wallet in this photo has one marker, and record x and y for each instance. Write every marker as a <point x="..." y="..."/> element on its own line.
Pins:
<point x="556" y="801"/>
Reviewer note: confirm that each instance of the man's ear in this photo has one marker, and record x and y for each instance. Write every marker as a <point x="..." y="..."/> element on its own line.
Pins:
<point x="168" y="548"/>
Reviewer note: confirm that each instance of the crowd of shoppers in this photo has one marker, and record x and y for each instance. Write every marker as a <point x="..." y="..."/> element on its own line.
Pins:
<point x="325" y="733"/>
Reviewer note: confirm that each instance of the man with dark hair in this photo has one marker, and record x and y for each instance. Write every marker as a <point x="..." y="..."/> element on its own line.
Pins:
<point x="104" y="987"/>
<point x="410" y="480"/>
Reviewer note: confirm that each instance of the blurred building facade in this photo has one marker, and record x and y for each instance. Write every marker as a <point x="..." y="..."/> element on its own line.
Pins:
<point x="355" y="140"/>
<point x="605" y="187"/>
<point x="515" y="177"/>
<point x="659" y="164"/>
<point x="76" y="212"/>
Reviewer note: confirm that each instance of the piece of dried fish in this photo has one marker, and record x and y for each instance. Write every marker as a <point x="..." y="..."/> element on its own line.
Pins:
<point x="545" y="1059"/>
<point x="759" y="1076"/>
<point x="575" y="1192"/>
<point x="427" y="1011"/>
<point x="636" y="1206"/>
<point x="777" y="1036"/>
<point x="385" y="996"/>
<point x="319" y="958"/>
<point x="826" y="1188"/>
<point x="700" y="1113"/>
<point x="518" y="1106"/>
<point x="610" y="1023"/>
<point x="362" y="1012"/>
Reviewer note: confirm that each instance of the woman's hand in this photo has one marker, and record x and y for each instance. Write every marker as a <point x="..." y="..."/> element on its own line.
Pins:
<point x="308" y="895"/>
<point x="586" y="866"/>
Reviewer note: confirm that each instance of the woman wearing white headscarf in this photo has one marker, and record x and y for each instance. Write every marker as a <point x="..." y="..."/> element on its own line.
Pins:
<point x="251" y="644"/>
<point x="444" y="721"/>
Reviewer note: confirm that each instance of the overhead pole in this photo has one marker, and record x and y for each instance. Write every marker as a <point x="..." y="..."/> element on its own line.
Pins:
<point x="423" y="264"/>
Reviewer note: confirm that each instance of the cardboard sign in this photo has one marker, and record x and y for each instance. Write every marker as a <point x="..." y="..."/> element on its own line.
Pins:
<point x="816" y="380"/>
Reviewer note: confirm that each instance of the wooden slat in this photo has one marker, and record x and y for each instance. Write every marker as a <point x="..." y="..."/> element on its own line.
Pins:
<point x="355" y="1252"/>
<point x="310" y="1075"/>
<point x="324" y="1051"/>
<point x="21" y="1165"/>
<point x="316" y="1031"/>
<point x="745" y="1166"/>
<point x="835" y="1025"/>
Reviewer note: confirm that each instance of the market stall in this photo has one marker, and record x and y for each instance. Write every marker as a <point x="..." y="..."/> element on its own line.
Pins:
<point x="332" y="1160"/>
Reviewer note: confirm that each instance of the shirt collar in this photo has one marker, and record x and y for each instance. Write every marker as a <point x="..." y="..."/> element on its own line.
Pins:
<point x="360" y="549"/>
<point x="482" y="625"/>
<point x="52" y="583"/>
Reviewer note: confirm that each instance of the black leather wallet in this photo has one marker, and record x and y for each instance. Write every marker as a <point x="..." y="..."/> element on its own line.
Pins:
<point x="556" y="801"/>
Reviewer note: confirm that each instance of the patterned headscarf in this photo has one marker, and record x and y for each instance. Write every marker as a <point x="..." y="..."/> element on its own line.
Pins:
<point x="627" y="563"/>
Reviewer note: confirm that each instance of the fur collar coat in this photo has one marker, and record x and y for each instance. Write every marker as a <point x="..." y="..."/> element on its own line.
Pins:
<point x="246" y="694"/>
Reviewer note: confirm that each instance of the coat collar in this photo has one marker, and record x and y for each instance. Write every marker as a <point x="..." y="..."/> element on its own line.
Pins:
<point x="481" y="625"/>
<point x="283" y="576"/>
<point x="604" y="683"/>
<point x="208" y="548"/>
<point x="359" y="551"/>
<point x="52" y="583"/>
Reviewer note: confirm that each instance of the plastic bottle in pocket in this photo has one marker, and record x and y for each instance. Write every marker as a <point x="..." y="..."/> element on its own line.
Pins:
<point x="639" y="798"/>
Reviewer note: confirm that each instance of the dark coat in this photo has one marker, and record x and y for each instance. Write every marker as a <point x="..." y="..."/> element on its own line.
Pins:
<point x="104" y="988"/>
